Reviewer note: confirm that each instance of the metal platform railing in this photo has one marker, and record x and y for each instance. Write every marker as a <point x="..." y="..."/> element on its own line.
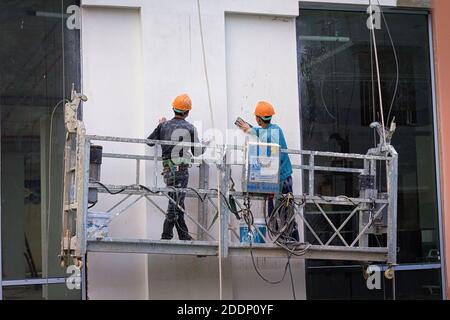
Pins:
<point x="373" y="211"/>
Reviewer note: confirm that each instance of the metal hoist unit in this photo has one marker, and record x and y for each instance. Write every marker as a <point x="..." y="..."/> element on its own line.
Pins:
<point x="262" y="168"/>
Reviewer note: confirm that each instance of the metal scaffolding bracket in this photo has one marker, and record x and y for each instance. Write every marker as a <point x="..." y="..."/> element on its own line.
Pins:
<point x="76" y="173"/>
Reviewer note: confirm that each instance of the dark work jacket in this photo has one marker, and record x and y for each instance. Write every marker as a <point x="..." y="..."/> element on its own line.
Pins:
<point x="176" y="130"/>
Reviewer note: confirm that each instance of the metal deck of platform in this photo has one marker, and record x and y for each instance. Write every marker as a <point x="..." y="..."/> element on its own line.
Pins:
<point x="210" y="248"/>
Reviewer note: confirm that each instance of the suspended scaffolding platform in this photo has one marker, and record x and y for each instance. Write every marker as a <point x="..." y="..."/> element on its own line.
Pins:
<point x="349" y="227"/>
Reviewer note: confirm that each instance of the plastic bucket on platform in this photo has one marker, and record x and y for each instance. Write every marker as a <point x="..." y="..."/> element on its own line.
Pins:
<point x="258" y="231"/>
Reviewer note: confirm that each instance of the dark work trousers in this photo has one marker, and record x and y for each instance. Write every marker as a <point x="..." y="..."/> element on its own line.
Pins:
<point x="286" y="187"/>
<point x="174" y="216"/>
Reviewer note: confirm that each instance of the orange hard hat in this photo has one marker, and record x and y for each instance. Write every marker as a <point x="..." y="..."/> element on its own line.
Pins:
<point x="182" y="103"/>
<point x="264" y="109"/>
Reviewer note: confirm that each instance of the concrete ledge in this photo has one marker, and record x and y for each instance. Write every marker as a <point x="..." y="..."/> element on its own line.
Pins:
<point x="136" y="4"/>
<point x="414" y="3"/>
<point x="288" y="8"/>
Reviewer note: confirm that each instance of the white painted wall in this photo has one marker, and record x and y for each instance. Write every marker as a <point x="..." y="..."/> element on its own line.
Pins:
<point x="113" y="81"/>
<point x="134" y="63"/>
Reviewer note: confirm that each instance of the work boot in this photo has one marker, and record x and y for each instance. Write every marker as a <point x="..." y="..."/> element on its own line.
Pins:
<point x="167" y="230"/>
<point x="186" y="238"/>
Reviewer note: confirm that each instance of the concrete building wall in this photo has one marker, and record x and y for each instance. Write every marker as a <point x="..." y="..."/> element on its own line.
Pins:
<point x="113" y="81"/>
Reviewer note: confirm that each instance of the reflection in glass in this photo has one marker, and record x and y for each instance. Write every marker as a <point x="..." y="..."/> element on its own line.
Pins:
<point x="338" y="103"/>
<point x="39" y="60"/>
<point x="37" y="292"/>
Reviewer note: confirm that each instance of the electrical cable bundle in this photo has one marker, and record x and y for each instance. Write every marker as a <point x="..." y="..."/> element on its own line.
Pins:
<point x="280" y="225"/>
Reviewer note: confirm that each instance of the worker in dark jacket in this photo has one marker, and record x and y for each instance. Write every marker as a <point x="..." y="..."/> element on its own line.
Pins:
<point x="176" y="162"/>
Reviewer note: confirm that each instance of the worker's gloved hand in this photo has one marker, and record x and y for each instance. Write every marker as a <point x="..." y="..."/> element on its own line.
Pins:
<point x="207" y="141"/>
<point x="162" y="120"/>
<point x="244" y="126"/>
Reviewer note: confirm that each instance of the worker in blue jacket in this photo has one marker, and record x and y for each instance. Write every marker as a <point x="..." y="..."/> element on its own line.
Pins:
<point x="268" y="132"/>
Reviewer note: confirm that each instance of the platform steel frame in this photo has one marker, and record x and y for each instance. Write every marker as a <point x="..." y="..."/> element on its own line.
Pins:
<point x="368" y="207"/>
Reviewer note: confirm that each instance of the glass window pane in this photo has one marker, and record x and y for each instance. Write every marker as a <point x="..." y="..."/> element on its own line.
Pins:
<point x="23" y="293"/>
<point x="41" y="292"/>
<point x="342" y="284"/>
<point x="345" y="283"/>
<point x="38" y="64"/>
<point x="336" y="109"/>
<point x="420" y="285"/>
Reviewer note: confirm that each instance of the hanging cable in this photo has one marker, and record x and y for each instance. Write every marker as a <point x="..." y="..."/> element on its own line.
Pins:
<point x="230" y="207"/>
<point x="324" y="103"/>
<point x="50" y="142"/>
<point x="248" y="217"/>
<point x="147" y="189"/>
<point x="108" y="190"/>
<point x="259" y="272"/>
<point x="205" y="66"/>
<point x="372" y="83"/>
<point x="380" y="96"/>
<point x="292" y="282"/>
<point x="92" y="205"/>
<point x="397" y="66"/>
<point x="281" y="225"/>
<point x="49" y="185"/>
<point x="205" y="69"/>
